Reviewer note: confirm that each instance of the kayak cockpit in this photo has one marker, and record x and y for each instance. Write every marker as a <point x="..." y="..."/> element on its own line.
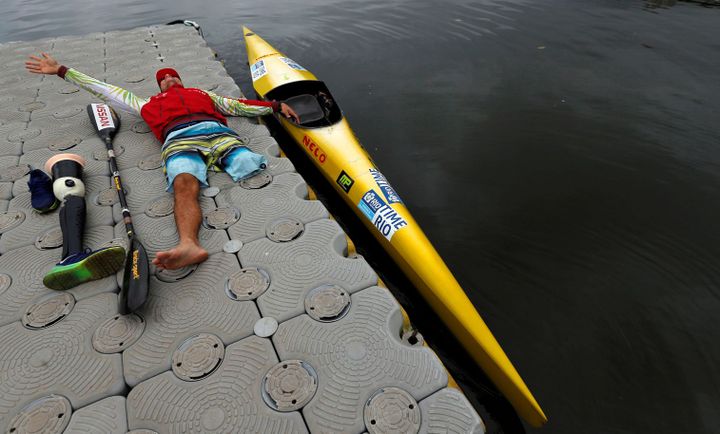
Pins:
<point x="311" y="100"/>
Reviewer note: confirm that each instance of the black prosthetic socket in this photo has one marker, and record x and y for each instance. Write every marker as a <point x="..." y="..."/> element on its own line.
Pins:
<point x="72" y="223"/>
<point x="69" y="189"/>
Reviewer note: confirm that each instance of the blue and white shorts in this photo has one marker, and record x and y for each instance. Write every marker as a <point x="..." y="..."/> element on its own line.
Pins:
<point x="240" y="163"/>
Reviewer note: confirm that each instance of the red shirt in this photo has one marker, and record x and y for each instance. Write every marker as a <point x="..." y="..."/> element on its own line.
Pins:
<point x="176" y="103"/>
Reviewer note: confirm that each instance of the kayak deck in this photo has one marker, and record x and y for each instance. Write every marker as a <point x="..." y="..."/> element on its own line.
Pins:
<point x="283" y="330"/>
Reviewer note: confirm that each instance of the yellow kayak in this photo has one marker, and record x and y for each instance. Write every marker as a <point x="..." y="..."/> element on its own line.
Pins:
<point x="332" y="146"/>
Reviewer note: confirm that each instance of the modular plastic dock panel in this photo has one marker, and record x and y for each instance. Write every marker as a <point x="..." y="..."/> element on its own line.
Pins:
<point x="279" y="331"/>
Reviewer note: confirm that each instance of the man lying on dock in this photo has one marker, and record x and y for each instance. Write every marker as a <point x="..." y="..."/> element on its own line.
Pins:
<point x="191" y="125"/>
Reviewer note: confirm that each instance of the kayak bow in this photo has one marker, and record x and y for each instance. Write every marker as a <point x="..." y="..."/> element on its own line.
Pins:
<point x="326" y="137"/>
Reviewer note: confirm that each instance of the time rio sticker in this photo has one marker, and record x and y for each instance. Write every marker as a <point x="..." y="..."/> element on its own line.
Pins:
<point x="383" y="217"/>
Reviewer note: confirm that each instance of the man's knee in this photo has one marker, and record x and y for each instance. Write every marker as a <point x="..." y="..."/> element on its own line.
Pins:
<point x="185" y="183"/>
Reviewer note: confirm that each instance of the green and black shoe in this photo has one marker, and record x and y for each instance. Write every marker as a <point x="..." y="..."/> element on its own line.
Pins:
<point x="85" y="266"/>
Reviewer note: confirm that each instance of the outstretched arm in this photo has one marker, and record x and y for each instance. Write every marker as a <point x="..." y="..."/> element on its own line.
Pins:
<point x="250" y="108"/>
<point x="117" y="96"/>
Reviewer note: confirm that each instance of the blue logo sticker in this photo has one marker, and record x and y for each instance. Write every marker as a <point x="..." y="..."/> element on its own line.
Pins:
<point x="385" y="187"/>
<point x="258" y="69"/>
<point x="385" y="219"/>
<point x="291" y="63"/>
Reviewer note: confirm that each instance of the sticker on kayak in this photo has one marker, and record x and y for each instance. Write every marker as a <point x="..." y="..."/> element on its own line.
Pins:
<point x="385" y="187"/>
<point x="386" y="220"/>
<point x="291" y="63"/>
<point x="345" y="181"/>
<point x="258" y="70"/>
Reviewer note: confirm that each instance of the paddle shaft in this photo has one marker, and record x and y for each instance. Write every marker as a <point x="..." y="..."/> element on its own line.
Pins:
<point x="127" y="219"/>
<point x="134" y="290"/>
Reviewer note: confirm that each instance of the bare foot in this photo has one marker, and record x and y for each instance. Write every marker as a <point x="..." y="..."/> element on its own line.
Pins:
<point x="180" y="256"/>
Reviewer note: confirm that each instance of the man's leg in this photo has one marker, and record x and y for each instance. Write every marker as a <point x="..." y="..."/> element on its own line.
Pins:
<point x="187" y="215"/>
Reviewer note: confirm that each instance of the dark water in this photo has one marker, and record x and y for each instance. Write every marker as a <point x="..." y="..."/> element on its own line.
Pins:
<point x="561" y="155"/>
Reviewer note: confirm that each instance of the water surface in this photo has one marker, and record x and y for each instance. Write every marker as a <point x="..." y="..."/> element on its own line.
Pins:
<point x="561" y="155"/>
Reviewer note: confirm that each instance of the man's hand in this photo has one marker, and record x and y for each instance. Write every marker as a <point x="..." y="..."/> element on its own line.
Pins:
<point x="44" y="65"/>
<point x="288" y="112"/>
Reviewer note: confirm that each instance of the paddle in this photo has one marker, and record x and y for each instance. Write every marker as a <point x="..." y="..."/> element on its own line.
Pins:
<point x="134" y="289"/>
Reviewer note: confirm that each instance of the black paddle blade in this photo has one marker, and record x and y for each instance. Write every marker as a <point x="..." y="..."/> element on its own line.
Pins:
<point x="104" y="119"/>
<point x="134" y="290"/>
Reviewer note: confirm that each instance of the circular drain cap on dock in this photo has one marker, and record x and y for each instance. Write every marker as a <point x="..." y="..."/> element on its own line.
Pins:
<point x="221" y="218"/>
<point x="247" y="284"/>
<point x="198" y="357"/>
<point x="47" y="415"/>
<point x="258" y="181"/>
<point x="118" y="333"/>
<point x="265" y="327"/>
<point x="107" y="197"/>
<point x="232" y="246"/>
<point x="142" y="431"/>
<point x="13" y="173"/>
<point x="391" y="410"/>
<point x="151" y="162"/>
<point x="49" y="311"/>
<point x="285" y="229"/>
<point x="50" y="239"/>
<point x="11" y="219"/>
<point x="289" y="385"/>
<point x="5" y="282"/>
<point x="327" y="303"/>
<point x="160" y="207"/>
<point x="68" y="112"/>
<point x="170" y="276"/>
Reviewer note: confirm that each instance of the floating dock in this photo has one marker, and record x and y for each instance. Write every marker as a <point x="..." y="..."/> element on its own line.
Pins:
<point x="284" y="329"/>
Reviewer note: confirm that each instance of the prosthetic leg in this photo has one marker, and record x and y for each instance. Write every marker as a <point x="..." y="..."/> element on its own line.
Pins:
<point x="78" y="265"/>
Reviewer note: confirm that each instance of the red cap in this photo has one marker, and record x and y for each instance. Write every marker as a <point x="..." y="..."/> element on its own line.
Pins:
<point x="163" y="72"/>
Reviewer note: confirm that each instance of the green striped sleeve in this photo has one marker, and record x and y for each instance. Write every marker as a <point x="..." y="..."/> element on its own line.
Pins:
<point x="120" y="98"/>
<point x="234" y="107"/>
